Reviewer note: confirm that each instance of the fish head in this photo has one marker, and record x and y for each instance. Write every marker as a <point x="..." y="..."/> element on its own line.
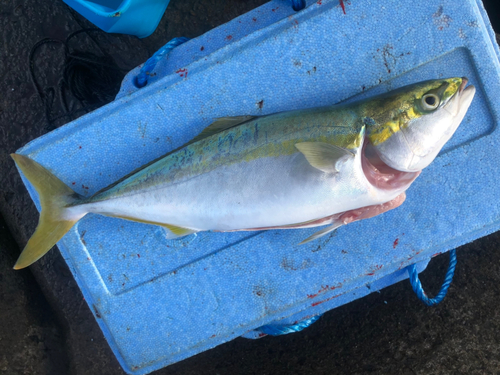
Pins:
<point x="408" y="127"/>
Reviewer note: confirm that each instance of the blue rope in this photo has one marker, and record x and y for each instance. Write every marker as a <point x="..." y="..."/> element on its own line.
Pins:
<point x="284" y="330"/>
<point x="298" y="5"/>
<point x="142" y="78"/>
<point x="417" y="286"/>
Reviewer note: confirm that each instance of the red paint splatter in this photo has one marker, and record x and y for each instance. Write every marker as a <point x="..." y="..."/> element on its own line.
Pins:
<point x="342" y="5"/>
<point x="202" y="48"/>
<point x="212" y="336"/>
<point x="262" y="334"/>
<point x="274" y="10"/>
<point x="73" y="183"/>
<point x="326" y="300"/>
<point x="319" y="2"/>
<point x="138" y="255"/>
<point x="229" y="37"/>
<point x="377" y="267"/>
<point x="88" y="258"/>
<point x="435" y="255"/>
<point x="80" y="147"/>
<point x="254" y="19"/>
<point x="182" y="72"/>
<point x="395" y="244"/>
<point x="85" y="187"/>
<point x="323" y="289"/>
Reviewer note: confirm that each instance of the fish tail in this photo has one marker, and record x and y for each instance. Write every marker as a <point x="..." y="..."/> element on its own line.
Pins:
<point x="55" y="219"/>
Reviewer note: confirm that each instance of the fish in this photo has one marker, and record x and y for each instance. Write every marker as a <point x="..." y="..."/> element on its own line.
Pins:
<point x="325" y="166"/>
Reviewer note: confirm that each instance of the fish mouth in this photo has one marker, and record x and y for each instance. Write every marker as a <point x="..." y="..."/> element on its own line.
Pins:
<point x="459" y="103"/>
<point x="379" y="174"/>
<point x="466" y="93"/>
<point x="462" y="86"/>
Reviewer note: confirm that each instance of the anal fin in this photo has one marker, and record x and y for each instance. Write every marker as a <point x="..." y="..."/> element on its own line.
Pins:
<point x="176" y="232"/>
<point x="173" y="231"/>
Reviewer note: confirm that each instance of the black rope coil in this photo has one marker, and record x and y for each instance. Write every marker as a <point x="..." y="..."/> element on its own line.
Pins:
<point x="94" y="80"/>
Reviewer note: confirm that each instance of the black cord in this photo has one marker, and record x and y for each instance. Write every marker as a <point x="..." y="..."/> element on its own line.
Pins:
<point x="92" y="79"/>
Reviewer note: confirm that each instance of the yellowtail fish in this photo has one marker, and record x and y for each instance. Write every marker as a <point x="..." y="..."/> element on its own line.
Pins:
<point x="322" y="166"/>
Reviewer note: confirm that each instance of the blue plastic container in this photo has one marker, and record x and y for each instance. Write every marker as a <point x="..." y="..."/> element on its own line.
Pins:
<point x="134" y="17"/>
<point x="159" y="301"/>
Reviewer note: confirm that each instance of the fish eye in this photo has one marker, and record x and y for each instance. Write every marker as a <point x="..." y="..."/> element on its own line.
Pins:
<point x="430" y="102"/>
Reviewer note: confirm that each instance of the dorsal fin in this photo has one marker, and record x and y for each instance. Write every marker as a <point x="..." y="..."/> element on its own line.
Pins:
<point x="219" y="125"/>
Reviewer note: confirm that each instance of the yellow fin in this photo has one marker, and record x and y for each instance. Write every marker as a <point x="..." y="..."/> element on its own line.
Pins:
<point x="53" y="224"/>
<point x="174" y="231"/>
<point x="323" y="156"/>
<point x="219" y="125"/>
<point x="178" y="231"/>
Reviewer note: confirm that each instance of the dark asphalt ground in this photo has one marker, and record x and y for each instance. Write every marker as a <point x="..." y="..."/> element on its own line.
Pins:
<point x="47" y="328"/>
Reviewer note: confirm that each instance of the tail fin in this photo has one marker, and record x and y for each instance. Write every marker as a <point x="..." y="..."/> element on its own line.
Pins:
<point x="54" y="221"/>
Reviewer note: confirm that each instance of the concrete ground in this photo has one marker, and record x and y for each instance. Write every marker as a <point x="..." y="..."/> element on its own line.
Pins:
<point x="47" y="328"/>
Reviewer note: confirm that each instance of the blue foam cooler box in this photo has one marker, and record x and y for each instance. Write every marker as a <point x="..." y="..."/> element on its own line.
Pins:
<point x="159" y="301"/>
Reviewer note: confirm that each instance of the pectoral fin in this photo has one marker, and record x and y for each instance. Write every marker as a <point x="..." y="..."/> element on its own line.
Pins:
<point x="324" y="156"/>
<point x="322" y="232"/>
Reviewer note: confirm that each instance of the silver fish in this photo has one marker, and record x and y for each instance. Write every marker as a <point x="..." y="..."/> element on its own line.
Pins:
<point x="298" y="169"/>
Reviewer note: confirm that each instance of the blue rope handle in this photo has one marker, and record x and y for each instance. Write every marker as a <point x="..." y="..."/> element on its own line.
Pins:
<point x="141" y="79"/>
<point x="298" y="5"/>
<point x="274" y="330"/>
<point x="417" y="285"/>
